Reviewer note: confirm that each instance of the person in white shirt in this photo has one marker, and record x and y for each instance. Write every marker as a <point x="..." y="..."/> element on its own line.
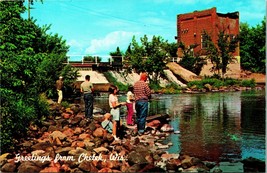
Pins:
<point x="115" y="109"/>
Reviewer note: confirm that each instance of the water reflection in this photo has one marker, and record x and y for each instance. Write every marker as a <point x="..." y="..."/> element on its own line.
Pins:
<point x="253" y="124"/>
<point x="215" y="126"/>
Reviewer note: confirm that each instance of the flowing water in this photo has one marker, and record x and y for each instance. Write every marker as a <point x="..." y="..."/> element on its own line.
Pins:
<point x="223" y="126"/>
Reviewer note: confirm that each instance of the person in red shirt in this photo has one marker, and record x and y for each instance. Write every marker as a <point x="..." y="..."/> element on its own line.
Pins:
<point x="142" y="95"/>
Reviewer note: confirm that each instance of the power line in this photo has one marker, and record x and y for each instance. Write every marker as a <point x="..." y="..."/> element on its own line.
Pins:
<point x="105" y="15"/>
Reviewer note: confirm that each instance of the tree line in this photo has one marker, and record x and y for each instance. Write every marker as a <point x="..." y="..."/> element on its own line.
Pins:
<point x="32" y="60"/>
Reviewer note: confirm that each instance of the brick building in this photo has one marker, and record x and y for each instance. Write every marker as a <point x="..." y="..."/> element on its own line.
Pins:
<point x="190" y="27"/>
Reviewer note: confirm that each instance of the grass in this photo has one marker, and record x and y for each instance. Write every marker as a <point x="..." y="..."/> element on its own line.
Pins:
<point x="217" y="83"/>
<point x="113" y="80"/>
<point x="173" y="88"/>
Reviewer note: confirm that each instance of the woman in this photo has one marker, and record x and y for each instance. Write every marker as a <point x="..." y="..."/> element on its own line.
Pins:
<point x="115" y="109"/>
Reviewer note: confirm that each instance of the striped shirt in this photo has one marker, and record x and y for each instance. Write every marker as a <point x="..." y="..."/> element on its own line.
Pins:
<point x="141" y="90"/>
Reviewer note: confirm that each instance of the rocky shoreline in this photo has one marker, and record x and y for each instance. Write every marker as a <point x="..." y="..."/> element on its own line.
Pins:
<point x="67" y="142"/>
<point x="209" y="88"/>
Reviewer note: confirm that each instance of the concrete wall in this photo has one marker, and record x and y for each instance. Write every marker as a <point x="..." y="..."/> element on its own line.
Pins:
<point x="102" y="84"/>
<point x="233" y="72"/>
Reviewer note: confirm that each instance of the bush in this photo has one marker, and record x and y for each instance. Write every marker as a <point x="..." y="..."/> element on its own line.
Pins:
<point x="198" y="84"/>
<point x="174" y="86"/>
<point x="218" y="83"/>
<point x="171" y="88"/>
<point x="16" y="114"/>
<point x="213" y="82"/>
<point x="248" y="83"/>
<point x="154" y="86"/>
<point x="231" y="82"/>
<point x="113" y="80"/>
<point x="65" y="104"/>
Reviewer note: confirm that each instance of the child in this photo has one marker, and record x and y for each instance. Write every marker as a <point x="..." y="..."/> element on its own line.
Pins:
<point x="130" y="106"/>
<point x="115" y="109"/>
<point x="107" y="123"/>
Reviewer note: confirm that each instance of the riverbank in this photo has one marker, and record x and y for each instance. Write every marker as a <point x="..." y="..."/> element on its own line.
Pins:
<point x="203" y="86"/>
<point x="102" y="83"/>
<point x="66" y="142"/>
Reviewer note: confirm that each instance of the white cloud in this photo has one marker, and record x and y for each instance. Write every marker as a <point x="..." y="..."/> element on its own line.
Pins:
<point x="74" y="43"/>
<point x="110" y="42"/>
<point x="76" y="50"/>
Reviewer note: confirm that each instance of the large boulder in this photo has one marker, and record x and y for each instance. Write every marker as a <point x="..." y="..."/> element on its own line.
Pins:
<point x="181" y="73"/>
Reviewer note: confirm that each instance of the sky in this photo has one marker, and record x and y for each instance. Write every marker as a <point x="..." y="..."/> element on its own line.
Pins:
<point x="98" y="27"/>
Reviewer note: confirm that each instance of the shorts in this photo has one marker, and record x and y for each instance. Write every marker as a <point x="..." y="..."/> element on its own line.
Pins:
<point x="115" y="114"/>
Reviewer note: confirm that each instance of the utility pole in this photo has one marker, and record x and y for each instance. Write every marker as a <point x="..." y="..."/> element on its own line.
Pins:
<point x="29" y="7"/>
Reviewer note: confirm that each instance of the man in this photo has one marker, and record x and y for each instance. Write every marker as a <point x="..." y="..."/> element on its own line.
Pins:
<point x="59" y="86"/>
<point x="87" y="90"/>
<point x="142" y="94"/>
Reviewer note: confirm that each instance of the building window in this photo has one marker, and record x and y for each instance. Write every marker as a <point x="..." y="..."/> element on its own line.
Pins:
<point x="204" y="39"/>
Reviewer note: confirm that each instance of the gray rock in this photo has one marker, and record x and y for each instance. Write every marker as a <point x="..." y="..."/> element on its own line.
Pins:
<point x="76" y="120"/>
<point x="92" y="126"/>
<point x="28" y="167"/>
<point x="64" y="151"/>
<point x="136" y="158"/>
<point x="75" y="108"/>
<point x="88" y="166"/>
<point x="41" y="146"/>
<point x="77" y="151"/>
<point x="52" y="128"/>
<point x="9" y="167"/>
<point x="58" y="134"/>
<point x="3" y="158"/>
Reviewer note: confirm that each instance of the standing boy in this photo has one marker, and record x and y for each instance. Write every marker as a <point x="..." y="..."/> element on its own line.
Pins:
<point x="87" y="90"/>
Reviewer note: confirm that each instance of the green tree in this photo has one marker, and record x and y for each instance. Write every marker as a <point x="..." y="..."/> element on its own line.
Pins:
<point x="92" y="58"/>
<point x="117" y="53"/>
<point x="134" y="56"/>
<point x="227" y="45"/>
<point x="150" y="56"/>
<point x="222" y="53"/>
<point x="116" y="57"/>
<point x="190" y="61"/>
<point x="31" y="62"/>
<point x="172" y="49"/>
<point x="253" y="47"/>
<point x="212" y="53"/>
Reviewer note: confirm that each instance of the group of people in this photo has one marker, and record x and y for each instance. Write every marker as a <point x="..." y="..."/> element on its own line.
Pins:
<point x="138" y="96"/>
<point x="87" y="91"/>
<point x="137" y="99"/>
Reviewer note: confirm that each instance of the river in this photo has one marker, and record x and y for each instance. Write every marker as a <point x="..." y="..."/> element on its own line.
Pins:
<point x="223" y="126"/>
